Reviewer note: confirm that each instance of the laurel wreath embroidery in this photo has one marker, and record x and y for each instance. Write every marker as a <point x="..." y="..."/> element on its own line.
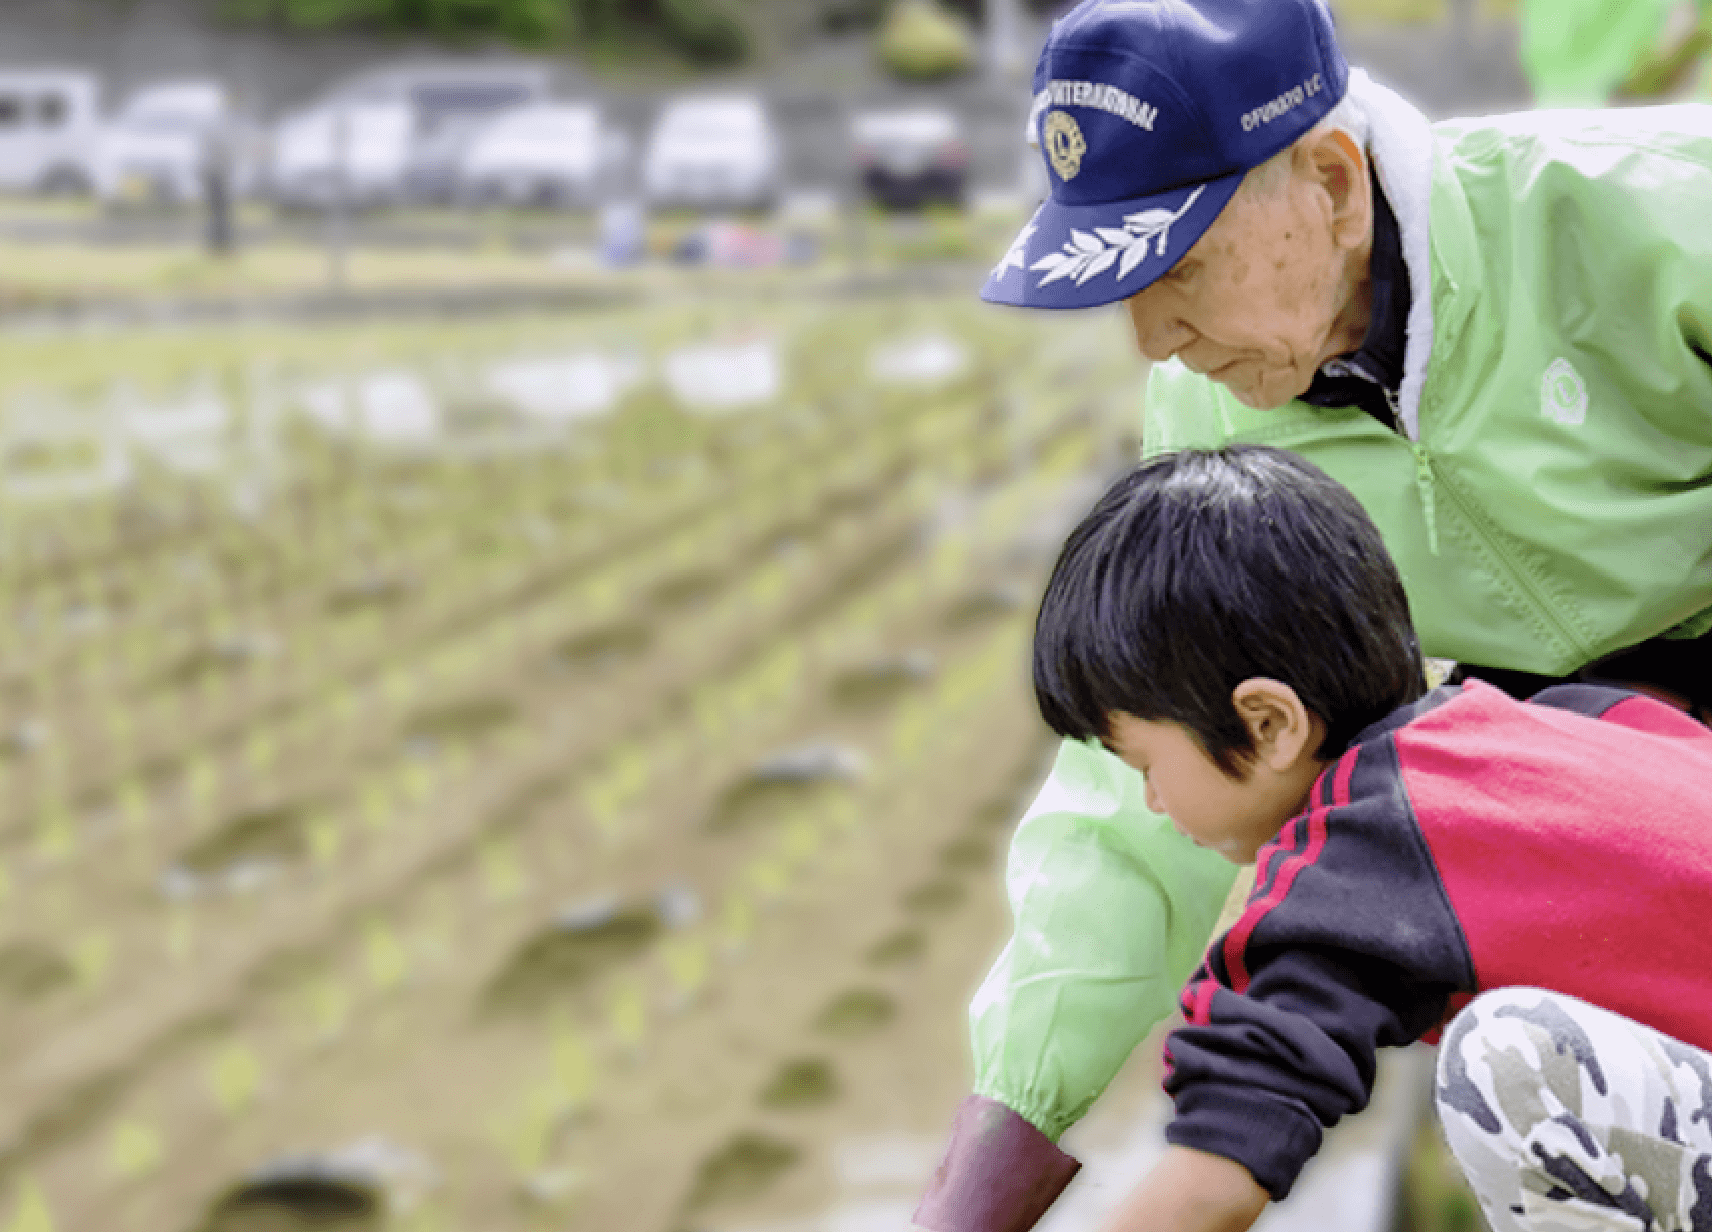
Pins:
<point x="1017" y="257"/>
<point x="1088" y="254"/>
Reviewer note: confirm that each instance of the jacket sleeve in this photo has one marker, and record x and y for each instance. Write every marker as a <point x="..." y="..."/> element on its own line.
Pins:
<point x="1348" y="944"/>
<point x="1112" y="910"/>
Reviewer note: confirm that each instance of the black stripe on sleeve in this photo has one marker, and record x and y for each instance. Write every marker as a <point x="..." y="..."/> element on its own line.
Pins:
<point x="1592" y="700"/>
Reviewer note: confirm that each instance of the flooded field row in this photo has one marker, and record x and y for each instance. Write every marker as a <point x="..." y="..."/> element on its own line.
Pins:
<point x="513" y="777"/>
<point x="91" y="432"/>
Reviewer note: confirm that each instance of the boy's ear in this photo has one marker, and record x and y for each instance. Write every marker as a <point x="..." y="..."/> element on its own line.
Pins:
<point x="1283" y="730"/>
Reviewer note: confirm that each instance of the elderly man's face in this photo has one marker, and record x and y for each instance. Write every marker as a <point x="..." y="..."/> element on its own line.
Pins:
<point x="1274" y="288"/>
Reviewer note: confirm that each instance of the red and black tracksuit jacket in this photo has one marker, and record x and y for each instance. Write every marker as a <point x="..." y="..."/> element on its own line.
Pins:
<point x="1467" y="842"/>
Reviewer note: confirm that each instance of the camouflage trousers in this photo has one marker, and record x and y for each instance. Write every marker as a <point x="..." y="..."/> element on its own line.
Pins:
<point x="1569" y="1118"/>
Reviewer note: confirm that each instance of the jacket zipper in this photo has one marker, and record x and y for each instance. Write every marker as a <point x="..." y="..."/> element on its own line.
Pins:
<point x="1426" y="471"/>
<point x="1423" y="472"/>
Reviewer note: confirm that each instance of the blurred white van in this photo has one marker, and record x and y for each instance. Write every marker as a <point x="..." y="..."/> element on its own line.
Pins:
<point x="49" y="123"/>
<point x="407" y="128"/>
<point x="156" y="149"/>
<point x="712" y="153"/>
<point x="548" y="154"/>
<point x="357" y="152"/>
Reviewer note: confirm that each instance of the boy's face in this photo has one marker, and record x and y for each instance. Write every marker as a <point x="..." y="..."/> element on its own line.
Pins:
<point x="1230" y="816"/>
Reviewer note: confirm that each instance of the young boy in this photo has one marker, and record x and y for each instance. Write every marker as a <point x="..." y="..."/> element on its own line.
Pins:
<point x="1230" y="624"/>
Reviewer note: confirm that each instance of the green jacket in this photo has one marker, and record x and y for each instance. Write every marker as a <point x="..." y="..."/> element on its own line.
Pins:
<point x="1551" y="502"/>
<point x="1578" y="53"/>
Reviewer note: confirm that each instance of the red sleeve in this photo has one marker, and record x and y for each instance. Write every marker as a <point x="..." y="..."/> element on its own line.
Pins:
<point x="1645" y="714"/>
<point x="1624" y="707"/>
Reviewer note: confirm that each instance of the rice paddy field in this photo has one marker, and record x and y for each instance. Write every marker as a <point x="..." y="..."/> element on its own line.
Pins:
<point x="545" y="773"/>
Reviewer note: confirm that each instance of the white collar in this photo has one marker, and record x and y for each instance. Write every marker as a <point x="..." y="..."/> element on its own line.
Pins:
<point x="1400" y="140"/>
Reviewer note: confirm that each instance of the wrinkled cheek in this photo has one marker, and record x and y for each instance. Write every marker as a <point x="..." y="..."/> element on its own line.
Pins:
<point x="1307" y="286"/>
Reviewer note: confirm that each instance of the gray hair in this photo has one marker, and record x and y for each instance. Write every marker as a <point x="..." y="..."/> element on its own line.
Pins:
<point x="1349" y="116"/>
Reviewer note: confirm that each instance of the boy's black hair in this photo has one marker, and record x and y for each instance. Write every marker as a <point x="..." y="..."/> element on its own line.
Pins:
<point x="1202" y="568"/>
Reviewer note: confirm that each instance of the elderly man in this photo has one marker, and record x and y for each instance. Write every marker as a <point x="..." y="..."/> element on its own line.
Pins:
<point x="1497" y="333"/>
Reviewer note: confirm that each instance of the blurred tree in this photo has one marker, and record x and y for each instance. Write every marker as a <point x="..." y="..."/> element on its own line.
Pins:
<point x="534" y="23"/>
<point x="704" y="32"/>
<point x="922" y="40"/>
<point x="326" y="14"/>
<point x="867" y="14"/>
<point x="842" y="15"/>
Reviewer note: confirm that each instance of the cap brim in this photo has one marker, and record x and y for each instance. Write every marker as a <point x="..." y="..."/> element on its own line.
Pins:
<point x="1082" y="256"/>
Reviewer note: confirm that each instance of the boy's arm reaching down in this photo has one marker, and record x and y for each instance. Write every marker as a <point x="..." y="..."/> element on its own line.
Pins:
<point x="1191" y="1191"/>
<point x="1348" y="944"/>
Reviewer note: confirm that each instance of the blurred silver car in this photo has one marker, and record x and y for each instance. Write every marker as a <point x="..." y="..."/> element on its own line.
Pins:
<point x="712" y="153"/>
<point x="159" y="148"/>
<point x="911" y="158"/>
<point x="547" y="154"/>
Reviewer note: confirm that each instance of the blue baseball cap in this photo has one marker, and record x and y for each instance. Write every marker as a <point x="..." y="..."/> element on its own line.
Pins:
<point x="1148" y="114"/>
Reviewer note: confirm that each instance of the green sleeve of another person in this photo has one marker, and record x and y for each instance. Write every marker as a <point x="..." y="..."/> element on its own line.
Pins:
<point x="1113" y="909"/>
<point x="1577" y="53"/>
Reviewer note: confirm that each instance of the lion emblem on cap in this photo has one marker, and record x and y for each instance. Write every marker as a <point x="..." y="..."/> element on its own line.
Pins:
<point x="1064" y="143"/>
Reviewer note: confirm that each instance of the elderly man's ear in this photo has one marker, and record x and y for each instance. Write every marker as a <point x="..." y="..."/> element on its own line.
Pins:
<point x="1332" y="162"/>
